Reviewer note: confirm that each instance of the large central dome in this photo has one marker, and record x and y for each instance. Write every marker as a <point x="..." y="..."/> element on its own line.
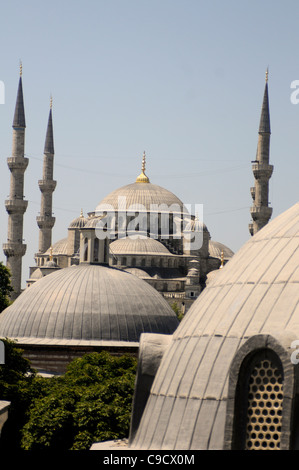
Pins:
<point x="142" y="195"/>
<point x="138" y="193"/>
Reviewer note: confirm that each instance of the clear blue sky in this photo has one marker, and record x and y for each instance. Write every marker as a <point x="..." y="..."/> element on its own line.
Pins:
<point x="181" y="79"/>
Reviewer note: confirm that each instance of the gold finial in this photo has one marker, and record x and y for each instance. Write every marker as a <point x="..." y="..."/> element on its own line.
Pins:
<point x="51" y="253"/>
<point x="143" y="163"/>
<point x="21" y="68"/>
<point x="81" y="214"/>
<point x="51" y="101"/>
<point x="222" y="260"/>
<point x="142" y="178"/>
<point x="267" y="73"/>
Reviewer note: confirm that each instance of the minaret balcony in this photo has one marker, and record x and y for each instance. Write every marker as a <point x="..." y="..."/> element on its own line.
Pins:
<point x="262" y="171"/>
<point x="252" y="192"/>
<point x="14" y="249"/>
<point x="16" y="206"/>
<point x="261" y="212"/>
<point x="45" y="221"/>
<point x="17" y="163"/>
<point x="250" y="227"/>
<point x="47" y="186"/>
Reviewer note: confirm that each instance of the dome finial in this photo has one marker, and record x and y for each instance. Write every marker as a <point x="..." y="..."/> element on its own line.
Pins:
<point x="222" y="260"/>
<point x="142" y="178"/>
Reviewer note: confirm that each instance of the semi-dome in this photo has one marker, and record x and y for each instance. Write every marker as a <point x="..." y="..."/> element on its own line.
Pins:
<point x="138" y="246"/>
<point x="89" y="304"/>
<point x="252" y="303"/>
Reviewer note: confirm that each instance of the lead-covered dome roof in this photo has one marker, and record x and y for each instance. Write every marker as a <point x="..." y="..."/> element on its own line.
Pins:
<point x="78" y="222"/>
<point x="256" y="293"/>
<point x="88" y="304"/>
<point x="141" y="194"/>
<point x="138" y="246"/>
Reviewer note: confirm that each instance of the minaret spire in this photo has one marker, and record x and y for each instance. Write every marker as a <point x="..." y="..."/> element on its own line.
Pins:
<point x="262" y="171"/>
<point x="16" y="206"/>
<point x="47" y="185"/>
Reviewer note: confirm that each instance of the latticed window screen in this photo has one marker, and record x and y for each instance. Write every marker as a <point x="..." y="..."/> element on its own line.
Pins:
<point x="264" y="411"/>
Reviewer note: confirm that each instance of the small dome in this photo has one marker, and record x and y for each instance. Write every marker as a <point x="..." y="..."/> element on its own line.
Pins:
<point x="216" y="249"/>
<point x="93" y="304"/>
<point x="256" y="294"/>
<point x="51" y="264"/>
<point x="79" y="222"/>
<point x="59" y="248"/>
<point x="138" y="246"/>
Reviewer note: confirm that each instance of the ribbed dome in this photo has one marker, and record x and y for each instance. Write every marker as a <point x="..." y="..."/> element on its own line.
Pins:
<point x="216" y="249"/>
<point x="256" y="293"/>
<point x="145" y="194"/>
<point x="87" y="303"/>
<point x="79" y="222"/>
<point x="59" y="248"/>
<point x="138" y="246"/>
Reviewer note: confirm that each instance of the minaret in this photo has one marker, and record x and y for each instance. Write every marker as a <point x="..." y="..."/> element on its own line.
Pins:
<point x="45" y="221"/>
<point x="262" y="171"/>
<point x="16" y="206"/>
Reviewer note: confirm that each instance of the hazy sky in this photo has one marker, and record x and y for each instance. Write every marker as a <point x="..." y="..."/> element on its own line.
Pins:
<point x="181" y="79"/>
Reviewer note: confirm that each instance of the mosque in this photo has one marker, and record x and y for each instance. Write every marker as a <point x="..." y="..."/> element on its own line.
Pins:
<point x="114" y="276"/>
<point x="226" y="376"/>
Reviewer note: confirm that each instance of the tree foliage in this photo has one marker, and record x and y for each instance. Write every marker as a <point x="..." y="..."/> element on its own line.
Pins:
<point x="5" y="287"/>
<point x="91" y="402"/>
<point x="16" y="386"/>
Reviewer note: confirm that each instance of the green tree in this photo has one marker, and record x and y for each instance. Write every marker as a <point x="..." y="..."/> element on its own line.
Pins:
<point x="16" y="379"/>
<point x="90" y="402"/>
<point x="5" y="287"/>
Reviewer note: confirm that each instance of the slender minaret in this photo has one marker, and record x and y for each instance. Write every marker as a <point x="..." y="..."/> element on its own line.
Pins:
<point x="16" y="206"/>
<point x="45" y="221"/>
<point x="262" y="171"/>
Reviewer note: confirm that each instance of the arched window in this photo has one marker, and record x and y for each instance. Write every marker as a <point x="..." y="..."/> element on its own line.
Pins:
<point x="85" y="249"/>
<point x="258" y="402"/>
<point x="96" y="250"/>
<point x="133" y="262"/>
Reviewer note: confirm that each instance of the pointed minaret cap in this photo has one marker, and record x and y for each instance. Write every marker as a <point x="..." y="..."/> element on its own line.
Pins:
<point x="19" y="116"/>
<point x="265" y="113"/>
<point x="49" y="143"/>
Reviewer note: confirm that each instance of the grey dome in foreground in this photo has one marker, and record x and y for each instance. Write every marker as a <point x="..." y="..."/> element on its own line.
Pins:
<point x="87" y="304"/>
<point x="255" y="295"/>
